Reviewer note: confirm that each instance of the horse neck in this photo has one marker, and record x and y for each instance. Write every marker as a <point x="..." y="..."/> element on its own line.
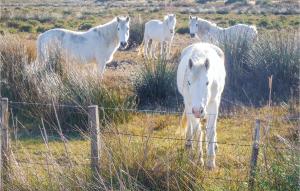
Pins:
<point x="110" y="33"/>
<point x="214" y="29"/>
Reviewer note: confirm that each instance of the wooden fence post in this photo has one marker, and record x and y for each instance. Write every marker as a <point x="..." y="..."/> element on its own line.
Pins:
<point x="95" y="140"/>
<point x="4" y="141"/>
<point x="254" y="156"/>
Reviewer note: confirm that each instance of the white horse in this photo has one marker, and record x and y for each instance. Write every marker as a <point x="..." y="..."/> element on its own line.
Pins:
<point x="210" y="32"/>
<point x="200" y="80"/>
<point x="97" y="44"/>
<point x="159" y="31"/>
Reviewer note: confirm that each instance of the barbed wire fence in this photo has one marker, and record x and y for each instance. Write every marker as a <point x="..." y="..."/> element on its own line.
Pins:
<point x="96" y="134"/>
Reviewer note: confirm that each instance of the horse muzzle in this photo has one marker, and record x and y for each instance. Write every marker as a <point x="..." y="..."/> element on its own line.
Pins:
<point x="198" y="112"/>
<point x="192" y="35"/>
<point x="123" y="45"/>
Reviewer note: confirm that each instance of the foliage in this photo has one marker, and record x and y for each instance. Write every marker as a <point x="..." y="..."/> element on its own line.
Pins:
<point x="249" y="65"/>
<point x="136" y="34"/>
<point x="156" y="82"/>
<point x="54" y="82"/>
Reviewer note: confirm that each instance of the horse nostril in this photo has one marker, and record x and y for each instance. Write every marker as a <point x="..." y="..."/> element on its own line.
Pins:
<point x="123" y="44"/>
<point x="201" y="110"/>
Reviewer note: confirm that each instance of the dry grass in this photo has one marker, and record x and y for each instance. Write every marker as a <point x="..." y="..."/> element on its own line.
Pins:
<point x="149" y="163"/>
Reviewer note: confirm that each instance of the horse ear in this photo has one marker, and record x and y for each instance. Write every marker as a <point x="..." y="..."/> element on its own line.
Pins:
<point x="191" y="63"/>
<point x="127" y="19"/>
<point x="206" y="64"/>
<point x="118" y="19"/>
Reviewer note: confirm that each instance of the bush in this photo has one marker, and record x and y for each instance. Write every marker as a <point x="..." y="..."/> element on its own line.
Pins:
<point x="41" y="29"/>
<point x="264" y="23"/>
<point x="183" y="30"/>
<point x="136" y="33"/>
<point x="13" y="24"/>
<point x="26" y="28"/>
<point x="85" y="26"/>
<point x="204" y="1"/>
<point x="249" y="65"/>
<point x="156" y="83"/>
<point x="235" y="1"/>
<point x="276" y="54"/>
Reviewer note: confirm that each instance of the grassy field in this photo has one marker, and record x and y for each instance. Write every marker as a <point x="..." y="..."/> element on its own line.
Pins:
<point x="132" y="162"/>
<point x="145" y="151"/>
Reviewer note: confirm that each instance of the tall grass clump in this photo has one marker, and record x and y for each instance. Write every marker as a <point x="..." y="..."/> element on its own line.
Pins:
<point x="58" y="82"/>
<point x="249" y="64"/>
<point x="136" y="34"/>
<point x="238" y="68"/>
<point x="156" y="83"/>
<point x="277" y="54"/>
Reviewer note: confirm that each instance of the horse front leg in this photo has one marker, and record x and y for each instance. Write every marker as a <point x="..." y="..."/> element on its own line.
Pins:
<point x="189" y="134"/>
<point x="211" y="134"/>
<point x="169" y="49"/>
<point x="146" y="48"/>
<point x="199" y="136"/>
<point x="101" y="67"/>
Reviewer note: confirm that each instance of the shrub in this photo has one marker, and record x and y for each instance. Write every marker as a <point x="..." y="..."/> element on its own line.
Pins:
<point x="276" y="54"/>
<point x="26" y="28"/>
<point x="183" y="30"/>
<point x="13" y="24"/>
<point x="136" y="33"/>
<point x="156" y="83"/>
<point x="264" y="23"/>
<point x="249" y="65"/>
<point x="232" y="22"/>
<point x="85" y="26"/>
<point x="41" y="29"/>
<point x="204" y="1"/>
<point x="235" y="1"/>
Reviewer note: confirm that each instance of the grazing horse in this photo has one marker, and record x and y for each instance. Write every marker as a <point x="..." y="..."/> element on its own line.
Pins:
<point x="97" y="44"/>
<point x="200" y="80"/>
<point x="210" y="32"/>
<point x="159" y="31"/>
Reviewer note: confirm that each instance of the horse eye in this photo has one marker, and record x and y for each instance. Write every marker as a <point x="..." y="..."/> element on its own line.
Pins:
<point x="118" y="29"/>
<point x="206" y="83"/>
<point x="196" y="25"/>
<point x="189" y="83"/>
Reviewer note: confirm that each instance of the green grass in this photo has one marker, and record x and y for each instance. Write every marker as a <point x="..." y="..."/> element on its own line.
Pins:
<point x="154" y="164"/>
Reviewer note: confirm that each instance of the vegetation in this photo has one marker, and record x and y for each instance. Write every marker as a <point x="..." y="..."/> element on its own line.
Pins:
<point x="156" y="83"/>
<point x="53" y="82"/>
<point x="272" y="54"/>
<point x="146" y="151"/>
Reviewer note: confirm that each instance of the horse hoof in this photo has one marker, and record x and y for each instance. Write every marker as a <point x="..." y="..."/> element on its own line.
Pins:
<point x="211" y="164"/>
<point x="201" y="161"/>
<point x="188" y="146"/>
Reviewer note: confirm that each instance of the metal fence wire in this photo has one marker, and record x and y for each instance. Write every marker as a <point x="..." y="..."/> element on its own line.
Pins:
<point x="115" y="132"/>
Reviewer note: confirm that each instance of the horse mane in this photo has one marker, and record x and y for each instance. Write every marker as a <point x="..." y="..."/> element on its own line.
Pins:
<point x="107" y="29"/>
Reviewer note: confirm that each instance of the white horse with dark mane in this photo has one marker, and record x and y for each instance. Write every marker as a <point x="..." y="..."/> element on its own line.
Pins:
<point x="200" y="80"/>
<point x="97" y="44"/>
<point x="159" y="31"/>
<point x="207" y="31"/>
